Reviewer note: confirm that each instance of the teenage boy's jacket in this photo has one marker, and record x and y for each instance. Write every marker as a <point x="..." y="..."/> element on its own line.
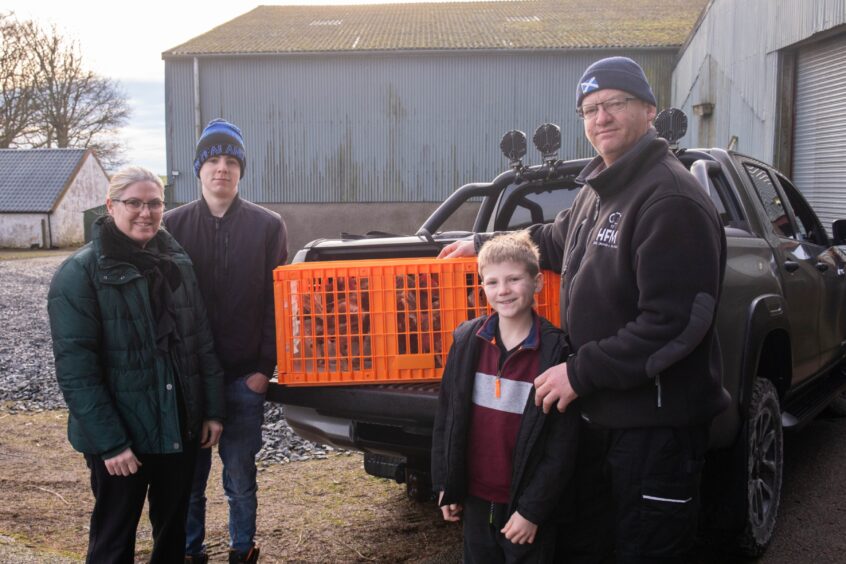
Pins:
<point x="234" y="257"/>
<point x="642" y="254"/>
<point x="546" y="444"/>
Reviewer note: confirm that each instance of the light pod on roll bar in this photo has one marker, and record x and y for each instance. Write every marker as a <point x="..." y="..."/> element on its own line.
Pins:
<point x="513" y="146"/>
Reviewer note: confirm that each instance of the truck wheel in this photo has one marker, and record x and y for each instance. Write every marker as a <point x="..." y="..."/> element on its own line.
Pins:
<point x="764" y="464"/>
<point x="838" y="405"/>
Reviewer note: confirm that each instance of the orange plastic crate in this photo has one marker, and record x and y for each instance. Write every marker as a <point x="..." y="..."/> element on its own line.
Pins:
<point x="377" y="321"/>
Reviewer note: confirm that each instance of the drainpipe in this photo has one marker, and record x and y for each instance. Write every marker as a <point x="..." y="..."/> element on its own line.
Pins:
<point x="197" y="123"/>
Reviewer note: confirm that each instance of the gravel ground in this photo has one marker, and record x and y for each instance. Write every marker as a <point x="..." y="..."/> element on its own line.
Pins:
<point x="27" y="381"/>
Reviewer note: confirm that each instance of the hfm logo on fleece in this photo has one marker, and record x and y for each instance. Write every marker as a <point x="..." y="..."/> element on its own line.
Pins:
<point x="607" y="235"/>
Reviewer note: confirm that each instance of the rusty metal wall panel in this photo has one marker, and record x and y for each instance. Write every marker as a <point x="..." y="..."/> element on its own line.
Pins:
<point x="383" y="128"/>
<point x="732" y="62"/>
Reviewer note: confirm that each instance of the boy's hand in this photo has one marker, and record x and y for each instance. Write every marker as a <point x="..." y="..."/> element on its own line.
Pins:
<point x="553" y="388"/>
<point x="451" y="512"/>
<point x="210" y="433"/>
<point x="519" y="530"/>
<point x="463" y="248"/>
<point x="257" y="382"/>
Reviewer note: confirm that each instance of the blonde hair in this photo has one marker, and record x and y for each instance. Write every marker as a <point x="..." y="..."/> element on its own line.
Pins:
<point x="516" y="247"/>
<point x="129" y="175"/>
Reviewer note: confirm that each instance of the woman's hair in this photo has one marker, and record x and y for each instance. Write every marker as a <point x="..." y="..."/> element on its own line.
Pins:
<point x="130" y="175"/>
<point x="511" y="247"/>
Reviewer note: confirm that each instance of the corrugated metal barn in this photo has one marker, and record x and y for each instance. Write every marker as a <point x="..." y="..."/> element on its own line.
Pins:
<point x="364" y="117"/>
<point x="769" y="77"/>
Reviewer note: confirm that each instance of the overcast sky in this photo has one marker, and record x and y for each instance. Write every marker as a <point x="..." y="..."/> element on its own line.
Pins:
<point x="125" y="40"/>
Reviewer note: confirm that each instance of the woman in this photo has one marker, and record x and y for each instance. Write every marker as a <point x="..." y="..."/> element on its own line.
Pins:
<point x="136" y="364"/>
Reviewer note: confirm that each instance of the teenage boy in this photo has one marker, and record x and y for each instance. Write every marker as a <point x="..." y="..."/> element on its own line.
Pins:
<point x="234" y="245"/>
<point x="497" y="459"/>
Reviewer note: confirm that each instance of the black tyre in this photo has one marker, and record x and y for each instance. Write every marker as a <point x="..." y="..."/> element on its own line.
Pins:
<point x="764" y="464"/>
<point x="838" y="405"/>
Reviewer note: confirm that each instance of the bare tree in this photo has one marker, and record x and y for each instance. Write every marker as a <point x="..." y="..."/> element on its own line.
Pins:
<point x="18" y="70"/>
<point x="49" y="99"/>
<point x="76" y="107"/>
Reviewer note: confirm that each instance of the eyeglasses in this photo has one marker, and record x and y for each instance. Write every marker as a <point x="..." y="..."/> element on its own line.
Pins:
<point x="136" y="205"/>
<point x="612" y="106"/>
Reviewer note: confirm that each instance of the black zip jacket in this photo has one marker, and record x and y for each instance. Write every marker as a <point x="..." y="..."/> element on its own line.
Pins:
<point x="234" y="257"/>
<point x="642" y="255"/>
<point x="544" y="457"/>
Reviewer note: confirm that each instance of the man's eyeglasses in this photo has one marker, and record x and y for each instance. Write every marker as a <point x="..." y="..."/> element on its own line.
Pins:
<point x="612" y="106"/>
<point x="136" y="205"/>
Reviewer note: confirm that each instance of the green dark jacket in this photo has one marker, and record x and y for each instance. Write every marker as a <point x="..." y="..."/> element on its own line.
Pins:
<point x="120" y="392"/>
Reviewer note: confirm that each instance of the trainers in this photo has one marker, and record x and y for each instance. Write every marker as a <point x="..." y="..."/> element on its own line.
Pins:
<point x="196" y="558"/>
<point x="249" y="557"/>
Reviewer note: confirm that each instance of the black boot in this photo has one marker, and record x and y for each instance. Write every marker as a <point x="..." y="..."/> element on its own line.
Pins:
<point x="249" y="557"/>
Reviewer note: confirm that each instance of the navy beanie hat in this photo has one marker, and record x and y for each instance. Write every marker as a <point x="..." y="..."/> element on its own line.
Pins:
<point x="620" y="73"/>
<point x="220" y="138"/>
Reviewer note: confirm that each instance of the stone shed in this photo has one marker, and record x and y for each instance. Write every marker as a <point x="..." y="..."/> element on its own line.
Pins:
<point x="43" y="194"/>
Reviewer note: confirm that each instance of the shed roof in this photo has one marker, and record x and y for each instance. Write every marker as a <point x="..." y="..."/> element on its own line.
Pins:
<point x="515" y="25"/>
<point x="32" y="180"/>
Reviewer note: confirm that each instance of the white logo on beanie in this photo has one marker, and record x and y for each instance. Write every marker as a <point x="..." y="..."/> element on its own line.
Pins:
<point x="589" y="86"/>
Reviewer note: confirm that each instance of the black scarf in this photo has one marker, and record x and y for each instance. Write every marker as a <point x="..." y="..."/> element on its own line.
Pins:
<point x="163" y="276"/>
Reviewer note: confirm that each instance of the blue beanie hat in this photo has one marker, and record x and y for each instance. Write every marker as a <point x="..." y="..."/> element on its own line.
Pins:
<point x="220" y="138"/>
<point x="620" y="73"/>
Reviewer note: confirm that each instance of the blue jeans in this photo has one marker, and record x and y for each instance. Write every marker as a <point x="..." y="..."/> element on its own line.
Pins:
<point x="239" y="444"/>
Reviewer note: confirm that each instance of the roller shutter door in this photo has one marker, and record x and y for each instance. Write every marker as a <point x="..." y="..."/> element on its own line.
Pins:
<point x="819" y="139"/>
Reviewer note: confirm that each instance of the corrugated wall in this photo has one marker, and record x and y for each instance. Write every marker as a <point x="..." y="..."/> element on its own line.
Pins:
<point x="180" y="130"/>
<point x="732" y="61"/>
<point x="819" y="161"/>
<point x="380" y="128"/>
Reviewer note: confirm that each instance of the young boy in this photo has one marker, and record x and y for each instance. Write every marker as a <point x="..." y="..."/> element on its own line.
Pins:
<point x="496" y="458"/>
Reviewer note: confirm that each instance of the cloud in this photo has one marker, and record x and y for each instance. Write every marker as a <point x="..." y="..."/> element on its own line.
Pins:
<point x="144" y="135"/>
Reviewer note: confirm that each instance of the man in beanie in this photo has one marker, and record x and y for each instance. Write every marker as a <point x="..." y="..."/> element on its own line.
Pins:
<point x="642" y="255"/>
<point x="234" y="245"/>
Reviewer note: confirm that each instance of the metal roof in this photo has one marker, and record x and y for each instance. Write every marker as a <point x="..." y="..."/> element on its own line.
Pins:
<point x="32" y="180"/>
<point x="516" y="25"/>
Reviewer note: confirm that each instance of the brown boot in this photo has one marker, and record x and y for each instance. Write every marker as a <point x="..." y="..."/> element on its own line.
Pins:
<point x="196" y="558"/>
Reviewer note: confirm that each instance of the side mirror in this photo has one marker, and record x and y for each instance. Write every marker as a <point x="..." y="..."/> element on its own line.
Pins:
<point x="513" y="146"/>
<point x="838" y="231"/>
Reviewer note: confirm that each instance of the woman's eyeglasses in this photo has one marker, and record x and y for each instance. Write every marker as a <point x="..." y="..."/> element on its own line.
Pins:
<point x="136" y="205"/>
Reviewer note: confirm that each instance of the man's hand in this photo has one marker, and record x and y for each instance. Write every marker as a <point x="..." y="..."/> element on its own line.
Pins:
<point x="519" y="530"/>
<point x="553" y="387"/>
<point x="123" y="464"/>
<point x="210" y="433"/>
<point x="451" y="512"/>
<point x="257" y="382"/>
<point x="458" y="249"/>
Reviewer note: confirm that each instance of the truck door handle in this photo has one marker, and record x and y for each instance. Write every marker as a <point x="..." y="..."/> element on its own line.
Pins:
<point x="821" y="266"/>
<point x="791" y="266"/>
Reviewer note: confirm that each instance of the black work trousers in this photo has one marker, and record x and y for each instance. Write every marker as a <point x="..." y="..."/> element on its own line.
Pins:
<point x="485" y="544"/>
<point x="165" y="479"/>
<point x="641" y="497"/>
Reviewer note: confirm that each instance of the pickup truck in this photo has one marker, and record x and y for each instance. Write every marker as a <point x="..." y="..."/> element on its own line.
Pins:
<point x="781" y="324"/>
